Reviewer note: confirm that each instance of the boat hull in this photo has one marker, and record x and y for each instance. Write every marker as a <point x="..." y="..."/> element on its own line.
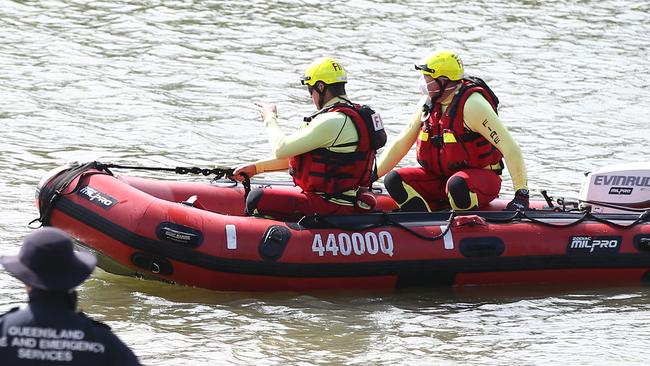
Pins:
<point x="142" y="225"/>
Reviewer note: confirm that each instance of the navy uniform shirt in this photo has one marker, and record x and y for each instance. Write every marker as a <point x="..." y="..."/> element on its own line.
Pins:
<point x="49" y="331"/>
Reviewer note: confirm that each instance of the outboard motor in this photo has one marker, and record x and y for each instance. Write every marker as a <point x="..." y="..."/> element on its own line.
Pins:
<point x="623" y="188"/>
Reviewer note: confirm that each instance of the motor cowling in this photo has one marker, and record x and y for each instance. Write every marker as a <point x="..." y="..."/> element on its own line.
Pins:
<point x="622" y="188"/>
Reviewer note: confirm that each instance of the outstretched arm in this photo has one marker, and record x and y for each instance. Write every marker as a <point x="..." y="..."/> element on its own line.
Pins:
<point x="321" y="132"/>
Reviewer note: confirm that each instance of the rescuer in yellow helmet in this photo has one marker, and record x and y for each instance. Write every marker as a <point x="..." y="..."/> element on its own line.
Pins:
<point x="460" y="144"/>
<point x="331" y="158"/>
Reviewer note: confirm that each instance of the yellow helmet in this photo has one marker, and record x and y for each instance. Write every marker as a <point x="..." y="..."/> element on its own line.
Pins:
<point x="443" y="63"/>
<point x="327" y="70"/>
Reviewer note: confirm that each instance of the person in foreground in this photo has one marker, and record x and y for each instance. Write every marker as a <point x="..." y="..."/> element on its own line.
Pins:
<point x="331" y="158"/>
<point x="460" y="142"/>
<point x="50" y="330"/>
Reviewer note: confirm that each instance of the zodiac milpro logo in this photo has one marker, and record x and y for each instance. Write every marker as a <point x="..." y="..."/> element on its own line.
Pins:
<point x="98" y="198"/>
<point x="355" y="243"/>
<point x="594" y="244"/>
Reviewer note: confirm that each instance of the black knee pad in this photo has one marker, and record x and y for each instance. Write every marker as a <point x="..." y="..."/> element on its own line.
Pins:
<point x="252" y="200"/>
<point x="416" y="204"/>
<point x="395" y="187"/>
<point x="393" y="183"/>
<point x="459" y="191"/>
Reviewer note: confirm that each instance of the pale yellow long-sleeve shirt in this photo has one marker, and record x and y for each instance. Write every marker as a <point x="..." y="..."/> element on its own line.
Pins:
<point x="479" y="117"/>
<point x="326" y="130"/>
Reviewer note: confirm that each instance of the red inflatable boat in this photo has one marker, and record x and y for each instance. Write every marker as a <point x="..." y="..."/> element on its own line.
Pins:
<point x="194" y="234"/>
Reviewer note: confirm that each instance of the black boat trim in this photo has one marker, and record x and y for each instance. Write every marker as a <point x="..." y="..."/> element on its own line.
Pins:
<point x="364" y="269"/>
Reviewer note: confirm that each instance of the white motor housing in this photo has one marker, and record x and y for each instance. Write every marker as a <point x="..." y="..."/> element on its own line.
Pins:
<point x="622" y="188"/>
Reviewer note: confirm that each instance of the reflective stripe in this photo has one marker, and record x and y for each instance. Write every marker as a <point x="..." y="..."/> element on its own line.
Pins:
<point x="341" y="201"/>
<point x="231" y="236"/>
<point x="448" y="239"/>
<point x="448" y="138"/>
<point x="493" y="167"/>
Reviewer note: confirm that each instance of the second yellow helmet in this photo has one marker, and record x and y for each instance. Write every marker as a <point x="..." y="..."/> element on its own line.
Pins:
<point x="442" y="63"/>
<point x="327" y="69"/>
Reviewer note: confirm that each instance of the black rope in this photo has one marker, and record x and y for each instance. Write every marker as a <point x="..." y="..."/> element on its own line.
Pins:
<point x="219" y="172"/>
<point x="49" y="198"/>
<point x="50" y="195"/>
<point x="387" y="220"/>
<point x="247" y="186"/>
<point x="450" y="221"/>
<point x="582" y="218"/>
<point x="588" y="216"/>
<point x="316" y="219"/>
<point x="617" y="207"/>
<point x="517" y="216"/>
<point x="644" y="217"/>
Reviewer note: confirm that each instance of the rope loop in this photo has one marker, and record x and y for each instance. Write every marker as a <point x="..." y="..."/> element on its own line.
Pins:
<point x="218" y="172"/>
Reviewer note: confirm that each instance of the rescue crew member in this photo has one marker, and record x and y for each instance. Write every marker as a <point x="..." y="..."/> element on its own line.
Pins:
<point x="50" y="330"/>
<point x="332" y="157"/>
<point x="460" y="142"/>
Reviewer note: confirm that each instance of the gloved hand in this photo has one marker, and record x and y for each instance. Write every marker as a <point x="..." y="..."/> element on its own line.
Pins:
<point x="520" y="202"/>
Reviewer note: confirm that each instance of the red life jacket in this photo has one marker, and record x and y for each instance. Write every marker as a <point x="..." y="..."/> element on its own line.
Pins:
<point x="332" y="173"/>
<point x="446" y="146"/>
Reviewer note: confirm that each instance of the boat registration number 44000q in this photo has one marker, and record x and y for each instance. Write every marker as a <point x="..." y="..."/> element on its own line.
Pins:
<point x="380" y="243"/>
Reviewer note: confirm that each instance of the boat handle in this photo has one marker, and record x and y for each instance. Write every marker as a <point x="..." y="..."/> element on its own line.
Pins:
<point x="154" y="268"/>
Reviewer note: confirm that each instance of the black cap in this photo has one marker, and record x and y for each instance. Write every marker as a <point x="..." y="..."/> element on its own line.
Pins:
<point x="47" y="261"/>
